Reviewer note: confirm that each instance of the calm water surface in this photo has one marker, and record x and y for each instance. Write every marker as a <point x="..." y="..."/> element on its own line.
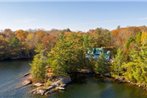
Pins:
<point x="12" y="71"/>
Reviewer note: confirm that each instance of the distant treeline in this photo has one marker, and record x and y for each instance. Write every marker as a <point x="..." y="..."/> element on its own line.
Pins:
<point x="21" y="44"/>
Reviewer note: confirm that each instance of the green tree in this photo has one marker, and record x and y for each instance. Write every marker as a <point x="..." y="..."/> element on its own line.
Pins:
<point x="68" y="55"/>
<point x="136" y="69"/>
<point x="133" y="69"/>
<point x="14" y="42"/>
<point x="38" y="66"/>
<point x="117" y="63"/>
<point x="101" y="65"/>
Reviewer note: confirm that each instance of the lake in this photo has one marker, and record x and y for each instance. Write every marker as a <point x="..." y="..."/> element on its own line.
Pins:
<point x="12" y="71"/>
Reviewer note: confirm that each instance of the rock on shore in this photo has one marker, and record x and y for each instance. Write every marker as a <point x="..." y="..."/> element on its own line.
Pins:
<point x="55" y="86"/>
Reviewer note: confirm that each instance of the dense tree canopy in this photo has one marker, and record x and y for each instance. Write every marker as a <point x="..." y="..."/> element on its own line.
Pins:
<point x="131" y="65"/>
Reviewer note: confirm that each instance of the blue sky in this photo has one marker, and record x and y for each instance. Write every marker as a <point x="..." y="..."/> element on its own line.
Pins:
<point x="74" y="15"/>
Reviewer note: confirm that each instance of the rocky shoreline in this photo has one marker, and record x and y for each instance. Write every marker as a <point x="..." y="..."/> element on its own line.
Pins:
<point x="60" y="83"/>
<point x="42" y="89"/>
<point x="123" y="80"/>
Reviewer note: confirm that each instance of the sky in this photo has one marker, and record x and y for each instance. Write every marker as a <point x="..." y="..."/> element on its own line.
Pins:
<point x="76" y="15"/>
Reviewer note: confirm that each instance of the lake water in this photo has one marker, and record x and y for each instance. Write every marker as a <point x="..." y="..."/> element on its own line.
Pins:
<point x="12" y="71"/>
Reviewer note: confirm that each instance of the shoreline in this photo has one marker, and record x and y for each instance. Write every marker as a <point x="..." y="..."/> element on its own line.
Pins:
<point x="15" y="59"/>
<point x="53" y="88"/>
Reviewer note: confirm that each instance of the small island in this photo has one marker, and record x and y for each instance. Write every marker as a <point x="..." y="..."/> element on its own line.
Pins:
<point x="107" y="54"/>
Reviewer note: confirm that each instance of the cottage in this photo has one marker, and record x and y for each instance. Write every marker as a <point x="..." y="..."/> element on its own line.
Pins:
<point x="96" y="52"/>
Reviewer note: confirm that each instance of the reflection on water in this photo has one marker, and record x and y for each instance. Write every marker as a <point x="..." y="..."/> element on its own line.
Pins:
<point x="12" y="71"/>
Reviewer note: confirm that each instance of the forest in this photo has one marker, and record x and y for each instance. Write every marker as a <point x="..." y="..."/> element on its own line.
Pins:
<point x="61" y="52"/>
